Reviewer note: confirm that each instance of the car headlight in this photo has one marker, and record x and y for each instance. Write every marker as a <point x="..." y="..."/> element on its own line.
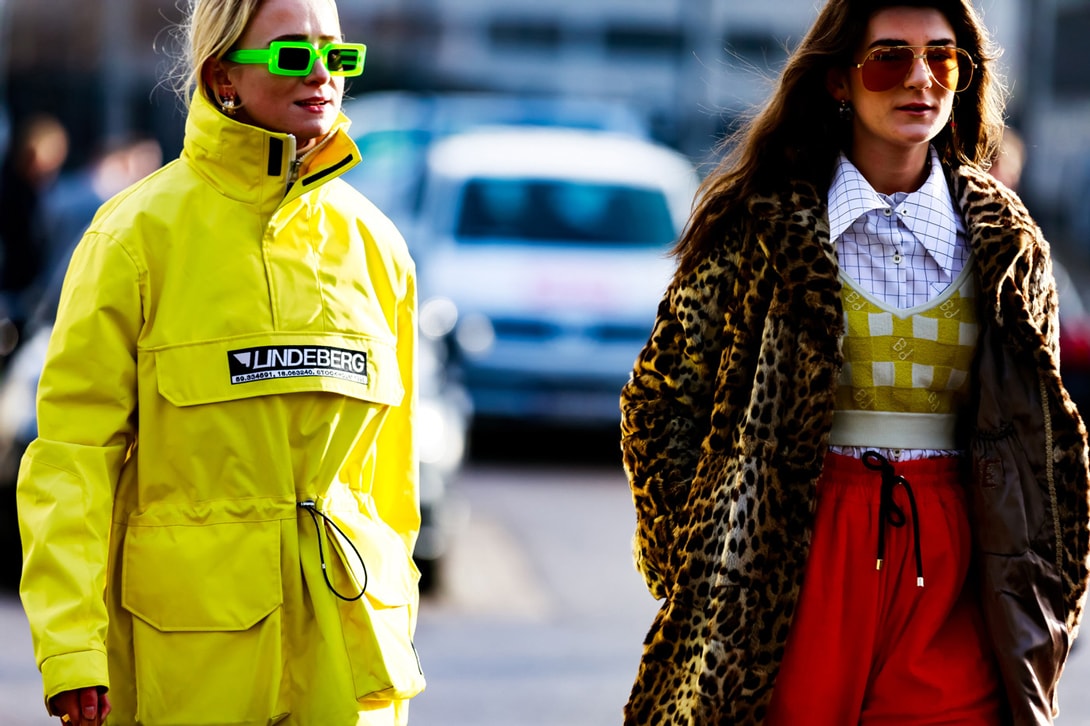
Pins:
<point x="441" y="434"/>
<point x="475" y="335"/>
<point x="438" y="316"/>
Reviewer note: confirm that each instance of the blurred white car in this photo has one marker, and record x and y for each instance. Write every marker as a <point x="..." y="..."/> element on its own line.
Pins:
<point x="543" y="254"/>
<point x="394" y="129"/>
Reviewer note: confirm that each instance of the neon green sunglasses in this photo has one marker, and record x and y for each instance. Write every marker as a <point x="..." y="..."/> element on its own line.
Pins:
<point x="296" y="57"/>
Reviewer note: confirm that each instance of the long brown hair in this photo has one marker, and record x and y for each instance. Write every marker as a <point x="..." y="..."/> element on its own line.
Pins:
<point x="798" y="134"/>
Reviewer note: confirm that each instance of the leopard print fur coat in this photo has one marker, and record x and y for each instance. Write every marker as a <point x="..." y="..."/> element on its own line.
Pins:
<point x="725" y="427"/>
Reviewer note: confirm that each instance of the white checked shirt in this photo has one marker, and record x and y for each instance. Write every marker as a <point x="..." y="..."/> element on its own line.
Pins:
<point x="904" y="249"/>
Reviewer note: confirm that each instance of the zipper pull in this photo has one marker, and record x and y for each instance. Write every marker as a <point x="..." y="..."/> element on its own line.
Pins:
<point x="293" y="162"/>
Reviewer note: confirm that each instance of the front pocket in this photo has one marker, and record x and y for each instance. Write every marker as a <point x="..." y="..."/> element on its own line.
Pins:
<point x="378" y="626"/>
<point x="378" y="636"/>
<point x="214" y="371"/>
<point x="206" y="603"/>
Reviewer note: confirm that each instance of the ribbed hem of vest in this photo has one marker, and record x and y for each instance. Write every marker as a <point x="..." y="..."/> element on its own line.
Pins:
<point x="894" y="430"/>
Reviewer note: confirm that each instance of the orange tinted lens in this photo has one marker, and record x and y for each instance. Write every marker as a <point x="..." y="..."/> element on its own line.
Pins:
<point x="884" y="68"/>
<point x="945" y="67"/>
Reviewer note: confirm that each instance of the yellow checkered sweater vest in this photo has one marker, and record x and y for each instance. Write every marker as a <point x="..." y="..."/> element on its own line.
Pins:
<point x="906" y="371"/>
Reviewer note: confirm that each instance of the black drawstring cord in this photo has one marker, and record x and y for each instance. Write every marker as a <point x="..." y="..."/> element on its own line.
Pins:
<point x="889" y="512"/>
<point x="312" y="508"/>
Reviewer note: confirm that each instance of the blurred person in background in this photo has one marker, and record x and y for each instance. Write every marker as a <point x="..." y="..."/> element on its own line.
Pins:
<point x="860" y="484"/>
<point x="32" y="165"/>
<point x="72" y="202"/>
<point x="219" y="512"/>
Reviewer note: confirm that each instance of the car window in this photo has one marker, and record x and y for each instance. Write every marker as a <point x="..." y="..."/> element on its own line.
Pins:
<point x="556" y="211"/>
<point x="391" y="170"/>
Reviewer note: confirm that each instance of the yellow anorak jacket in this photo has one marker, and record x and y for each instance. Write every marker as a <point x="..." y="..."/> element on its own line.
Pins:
<point x="227" y="404"/>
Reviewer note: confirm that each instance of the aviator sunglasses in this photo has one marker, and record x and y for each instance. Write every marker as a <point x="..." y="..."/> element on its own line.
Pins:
<point x="889" y="66"/>
<point x="296" y="58"/>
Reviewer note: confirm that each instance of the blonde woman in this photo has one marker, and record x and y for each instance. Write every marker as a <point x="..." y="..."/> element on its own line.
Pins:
<point x="219" y="513"/>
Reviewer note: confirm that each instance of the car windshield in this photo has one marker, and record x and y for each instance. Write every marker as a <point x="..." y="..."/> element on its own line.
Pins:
<point x="391" y="171"/>
<point x="558" y="211"/>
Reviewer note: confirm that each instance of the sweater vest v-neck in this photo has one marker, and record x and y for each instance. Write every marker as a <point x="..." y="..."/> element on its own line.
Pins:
<point x="906" y="371"/>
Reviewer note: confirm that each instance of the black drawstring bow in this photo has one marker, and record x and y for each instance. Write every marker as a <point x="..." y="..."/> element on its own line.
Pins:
<point x="889" y="512"/>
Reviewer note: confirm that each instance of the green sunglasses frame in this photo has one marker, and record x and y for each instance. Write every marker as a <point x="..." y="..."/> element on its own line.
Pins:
<point x="271" y="57"/>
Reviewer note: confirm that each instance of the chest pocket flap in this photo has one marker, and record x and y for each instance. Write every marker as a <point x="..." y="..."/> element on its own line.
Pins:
<point x="268" y="364"/>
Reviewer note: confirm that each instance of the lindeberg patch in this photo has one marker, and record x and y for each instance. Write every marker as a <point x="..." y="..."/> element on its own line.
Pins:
<point x="294" y="361"/>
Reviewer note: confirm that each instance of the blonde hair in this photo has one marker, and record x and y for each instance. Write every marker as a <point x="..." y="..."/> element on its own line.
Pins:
<point x="209" y="30"/>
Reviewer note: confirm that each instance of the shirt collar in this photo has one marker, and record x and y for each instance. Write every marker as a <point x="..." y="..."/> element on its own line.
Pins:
<point x="929" y="212"/>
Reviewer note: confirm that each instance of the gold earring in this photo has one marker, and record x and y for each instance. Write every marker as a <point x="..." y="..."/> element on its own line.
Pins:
<point x="228" y="102"/>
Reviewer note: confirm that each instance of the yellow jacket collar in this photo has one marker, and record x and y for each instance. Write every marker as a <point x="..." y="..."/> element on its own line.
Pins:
<point x="259" y="167"/>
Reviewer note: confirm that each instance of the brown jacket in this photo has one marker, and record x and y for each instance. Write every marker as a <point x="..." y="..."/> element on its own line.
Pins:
<point x="725" y="427"/>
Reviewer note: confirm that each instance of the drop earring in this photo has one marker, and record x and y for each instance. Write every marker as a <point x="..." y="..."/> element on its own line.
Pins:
<point x="844" y="111"/>
<point x="228" y="102"/>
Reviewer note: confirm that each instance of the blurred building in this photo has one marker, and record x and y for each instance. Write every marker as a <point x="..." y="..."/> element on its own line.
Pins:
<point x="5" y="119"/>
<point x="690" y="65"/>
<point x="1056" y="122"/>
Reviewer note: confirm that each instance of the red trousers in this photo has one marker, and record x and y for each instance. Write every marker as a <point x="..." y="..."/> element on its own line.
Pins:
<point x="869" y="646"/>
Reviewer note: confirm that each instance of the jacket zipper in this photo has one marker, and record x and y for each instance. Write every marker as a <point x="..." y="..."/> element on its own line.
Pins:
<point x="293" y="163"/>
<point x="1050" y="474"/>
